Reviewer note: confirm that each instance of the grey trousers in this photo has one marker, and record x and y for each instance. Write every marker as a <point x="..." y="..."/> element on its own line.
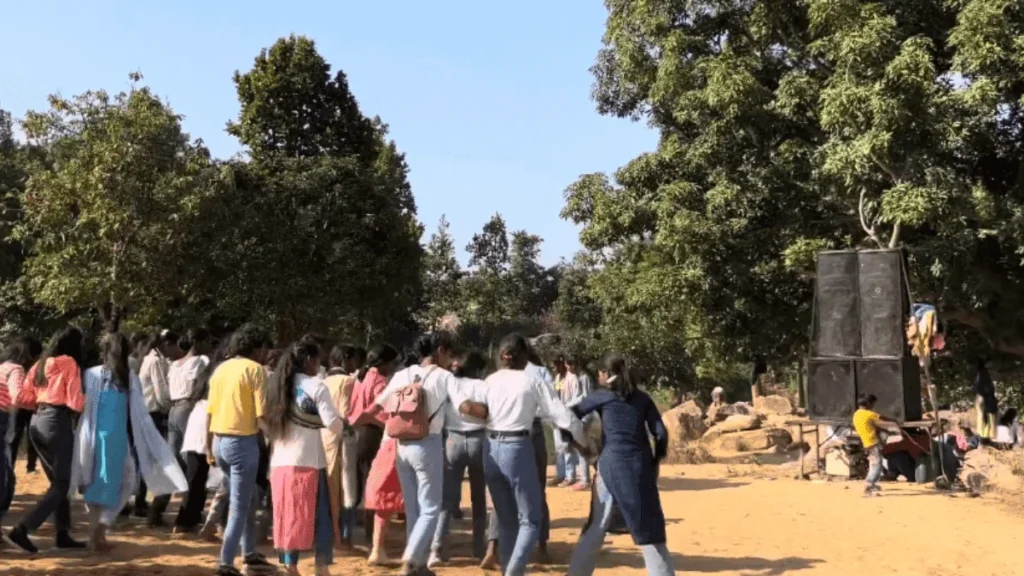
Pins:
<point x="540" y="452"/>
<point x="464" y="451"/>
<point x="177" y="421"/>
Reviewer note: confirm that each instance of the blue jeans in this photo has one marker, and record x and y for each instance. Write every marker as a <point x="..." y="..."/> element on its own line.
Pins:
<point x="464" y="450"/>
<point x="874" y="465"/>
<point x="421" y="472"/>
<point x="511" y="472"/>
<point x="239" y="459"/>
<point x="562" y="471"/>
<point x="584" y="556"/>
<point x="576" y="467"/>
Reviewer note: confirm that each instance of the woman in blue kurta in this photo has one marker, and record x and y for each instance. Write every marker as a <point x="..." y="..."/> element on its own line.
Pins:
<point x="627" y="470"/>
<point x="103" y="467"/>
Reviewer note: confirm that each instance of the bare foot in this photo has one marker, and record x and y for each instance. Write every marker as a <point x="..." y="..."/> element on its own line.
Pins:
<point x="209" y="533"/>
<point x="378" y="558"/>
<point x="490" y="562"/>
<point x="102" y="546"/>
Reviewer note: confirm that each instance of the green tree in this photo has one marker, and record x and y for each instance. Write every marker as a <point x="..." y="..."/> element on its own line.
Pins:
<point x="105" y="220"/>
<point x="485" y="288"/>
<point x="331" y="198"/>
<point x="442" y="277"/>
<point x="790" y="126"/>
<point x="532" y="287"/>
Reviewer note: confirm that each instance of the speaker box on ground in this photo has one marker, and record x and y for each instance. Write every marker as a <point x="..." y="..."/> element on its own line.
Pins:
<point x="837" y="331"/>
<point x="883" y="303"/>
<point x="831" y="389"/>
<point x="896" y="382"/>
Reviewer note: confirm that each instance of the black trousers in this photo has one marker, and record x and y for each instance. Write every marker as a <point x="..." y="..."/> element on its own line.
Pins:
<point x="368" y="439"/>
<point x="21" y="423"/>
<point x="197" y="470"/>
<point x="52" y="431"/>
<point x="160" y="419"/>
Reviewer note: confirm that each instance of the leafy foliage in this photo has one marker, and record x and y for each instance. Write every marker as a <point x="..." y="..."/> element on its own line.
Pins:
<point x="107" y="217"/>
<point x="790" y="126"/>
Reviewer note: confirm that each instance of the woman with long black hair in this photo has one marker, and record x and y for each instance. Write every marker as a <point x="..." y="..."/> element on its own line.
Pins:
<point x="114" y="419"/>
<point x="299" y="407"/>
<point x="340" y="449"/>
<point x="366" y="416"/>
<point x="627" y="470"/>
<point x="54" y="386"/>
<point x="16" y="358"/>
<point x="514" y="399"/>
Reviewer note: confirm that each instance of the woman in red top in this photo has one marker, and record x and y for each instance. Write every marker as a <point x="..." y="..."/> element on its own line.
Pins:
<point x="14" y="361"/>
<point x="367" y="418"/>
<point x="58" y="395"/>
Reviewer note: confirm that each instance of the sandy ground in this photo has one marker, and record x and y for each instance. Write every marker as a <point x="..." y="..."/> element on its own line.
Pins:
<point x="717" y="524"/>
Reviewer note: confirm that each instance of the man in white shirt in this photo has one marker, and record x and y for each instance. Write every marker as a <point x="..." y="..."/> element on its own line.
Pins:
<point x="515" y="399"/>
<point x="163" y="348"/>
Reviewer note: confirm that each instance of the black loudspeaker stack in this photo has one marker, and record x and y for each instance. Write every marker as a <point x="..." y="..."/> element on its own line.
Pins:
<point x="859" y="344"/>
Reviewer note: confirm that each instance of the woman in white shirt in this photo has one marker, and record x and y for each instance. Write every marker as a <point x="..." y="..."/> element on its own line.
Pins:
<point x="1009" y="432"/>
<point x="299" y="406"/>
<point x="420" y="462"/>
<point x="465" y="445"/>
<point x="513" y="400"/>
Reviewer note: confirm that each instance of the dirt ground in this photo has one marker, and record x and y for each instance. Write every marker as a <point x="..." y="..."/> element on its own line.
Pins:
<point x="718" y="523"/>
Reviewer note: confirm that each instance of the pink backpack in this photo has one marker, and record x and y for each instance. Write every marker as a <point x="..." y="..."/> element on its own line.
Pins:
<point x="407" y="411"/>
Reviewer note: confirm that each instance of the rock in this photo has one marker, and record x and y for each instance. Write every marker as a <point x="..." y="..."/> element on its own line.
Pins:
<point x="752" y="440"/>
<point x="691" y="407"/>
<point x="992" y="469"/>
<point x="739" y="423"/>
<point x="773" y="405"/>
<point x="683" y="427"/>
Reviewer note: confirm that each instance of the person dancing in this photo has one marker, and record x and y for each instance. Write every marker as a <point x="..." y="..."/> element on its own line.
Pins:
<point x="300" y="406"/>
<point x="54" y="385"/>
<point x="627" y="471"/>
<point x="104" y="467"/>
<point x="514" y="399"/>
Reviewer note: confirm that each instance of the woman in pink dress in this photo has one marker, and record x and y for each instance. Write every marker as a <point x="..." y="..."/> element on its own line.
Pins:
<point x="383" y="493"/>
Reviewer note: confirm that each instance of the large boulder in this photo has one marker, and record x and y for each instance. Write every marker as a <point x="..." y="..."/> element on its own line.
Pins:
<point x="773" y="404"/>
<point x="751" y="440"/>
<point x="683" y="427"/>
<point x="691" y="407"/>
<point x="738" y="423"/>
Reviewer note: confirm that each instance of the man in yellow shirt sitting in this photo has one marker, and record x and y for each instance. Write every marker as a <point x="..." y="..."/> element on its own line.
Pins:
<point x="865" y="422"/>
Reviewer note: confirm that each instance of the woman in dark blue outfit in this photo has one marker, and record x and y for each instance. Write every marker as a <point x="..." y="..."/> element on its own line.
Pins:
<point x="627" y="470"/>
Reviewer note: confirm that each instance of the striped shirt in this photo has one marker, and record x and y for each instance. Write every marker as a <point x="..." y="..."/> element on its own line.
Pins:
<point x="63" y="385"/>
<point x="12" y="375"/>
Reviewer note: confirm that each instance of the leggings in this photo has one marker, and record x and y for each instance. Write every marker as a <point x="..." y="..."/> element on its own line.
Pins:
<point x="52" y="433"/>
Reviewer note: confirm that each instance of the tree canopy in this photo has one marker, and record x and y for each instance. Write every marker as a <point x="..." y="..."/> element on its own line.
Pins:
<point x="791" y="126"/>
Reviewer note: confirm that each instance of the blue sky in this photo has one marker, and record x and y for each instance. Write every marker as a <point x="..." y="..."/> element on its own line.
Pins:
<point x="490" y="101"/>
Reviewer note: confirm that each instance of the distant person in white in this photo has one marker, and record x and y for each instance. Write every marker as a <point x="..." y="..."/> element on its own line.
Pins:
<point x="514" y="399"/>
<point x="420" y="463"/>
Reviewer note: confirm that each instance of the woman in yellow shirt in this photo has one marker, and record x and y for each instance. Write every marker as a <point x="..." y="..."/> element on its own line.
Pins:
<point x="237" y="403"/>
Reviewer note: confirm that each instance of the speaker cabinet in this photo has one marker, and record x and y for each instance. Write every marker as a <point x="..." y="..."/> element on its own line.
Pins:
<point x="837" y="331"/>
<point x="831" y="389"/>
<point x="896" y="382"/>
<point x="883" y="303"/>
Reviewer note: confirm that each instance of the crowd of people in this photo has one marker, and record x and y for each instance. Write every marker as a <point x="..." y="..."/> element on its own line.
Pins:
<point x="315" y="442"/>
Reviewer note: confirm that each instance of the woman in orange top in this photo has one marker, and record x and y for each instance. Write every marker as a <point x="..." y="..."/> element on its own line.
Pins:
<point x="58" y="395"/>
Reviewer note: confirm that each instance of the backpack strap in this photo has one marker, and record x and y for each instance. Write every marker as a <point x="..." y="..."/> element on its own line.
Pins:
<point x="430" y="369"/>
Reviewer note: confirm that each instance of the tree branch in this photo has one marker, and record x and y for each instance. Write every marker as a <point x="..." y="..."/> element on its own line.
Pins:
<point x="1015" y="347"/>
<point x="870" y="230"/>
